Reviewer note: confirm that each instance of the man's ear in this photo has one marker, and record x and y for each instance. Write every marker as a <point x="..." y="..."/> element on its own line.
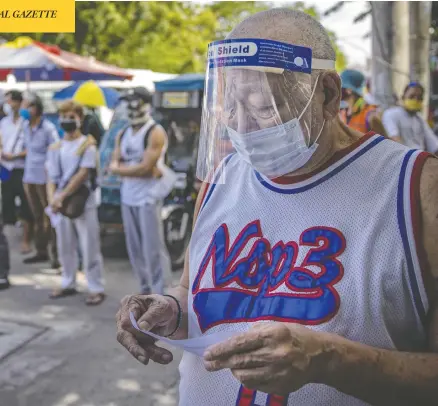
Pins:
<point x="332" y="90"/>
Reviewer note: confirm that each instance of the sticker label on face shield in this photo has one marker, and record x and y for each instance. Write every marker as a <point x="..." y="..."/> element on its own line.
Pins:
<point x="259" y="53"/>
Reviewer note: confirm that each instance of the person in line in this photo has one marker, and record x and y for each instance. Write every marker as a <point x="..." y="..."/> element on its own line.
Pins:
<point x="368" y="96"/>
<point x="314" y="247"/>
<point x="39" y="134"/>
<point x="405" y="124"/>
<point x="12" y="158"/>
<point x="139" y="151"/>
<point x="360" y="115"/>
<point x="91" y="125"/>
<point x="71" y="163"/>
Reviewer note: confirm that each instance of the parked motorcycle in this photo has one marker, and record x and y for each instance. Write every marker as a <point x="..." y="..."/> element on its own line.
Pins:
<point x="178" y="210"/>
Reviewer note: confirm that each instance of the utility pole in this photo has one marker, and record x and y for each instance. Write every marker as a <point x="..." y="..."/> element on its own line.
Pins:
<point x="420" y="16"/>
<point x="401" y="46"/>
<point x="382" y="52"/>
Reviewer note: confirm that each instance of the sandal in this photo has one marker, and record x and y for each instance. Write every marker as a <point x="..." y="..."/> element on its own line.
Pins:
<point x="94" y="299"/>
<point x="60" y="293"/>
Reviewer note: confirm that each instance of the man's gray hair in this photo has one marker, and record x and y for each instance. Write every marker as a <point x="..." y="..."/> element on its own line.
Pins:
<point x="290" y="26"/>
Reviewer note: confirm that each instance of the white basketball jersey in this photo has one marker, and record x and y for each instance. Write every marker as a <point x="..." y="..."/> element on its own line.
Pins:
<point x="334" y="251"/>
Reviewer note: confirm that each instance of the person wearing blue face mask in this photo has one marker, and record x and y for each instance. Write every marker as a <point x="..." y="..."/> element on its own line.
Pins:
<point x="39" y="134"/>
<point x="13" y="155"/>
<point x="25" y="113"/>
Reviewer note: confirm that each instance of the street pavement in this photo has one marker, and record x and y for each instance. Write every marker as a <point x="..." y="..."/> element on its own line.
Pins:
<point x="64" y="353"/>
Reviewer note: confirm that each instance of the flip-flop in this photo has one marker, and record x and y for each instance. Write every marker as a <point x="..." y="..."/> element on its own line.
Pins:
<point x="95" y="299"/>
<point x="60" y="293"/>
<point x="25" y="252"/>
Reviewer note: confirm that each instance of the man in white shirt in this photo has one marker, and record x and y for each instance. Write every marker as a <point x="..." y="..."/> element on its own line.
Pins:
<point x="404" y="123"/>
<point x="39" y="134"/>
<point x="12" y="158"/>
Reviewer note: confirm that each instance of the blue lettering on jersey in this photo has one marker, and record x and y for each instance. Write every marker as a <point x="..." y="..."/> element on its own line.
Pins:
<point x="310" y="298"/>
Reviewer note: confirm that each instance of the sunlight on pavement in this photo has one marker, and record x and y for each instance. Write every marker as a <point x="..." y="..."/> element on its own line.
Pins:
<point x="128" y="385"/>
<point x="50" y="312"/>
<point x="41" y="281"/>
<point x="68" y="400"/>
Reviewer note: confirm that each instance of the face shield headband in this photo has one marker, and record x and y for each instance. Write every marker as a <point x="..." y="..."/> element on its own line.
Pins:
<point x="256" y="103"/>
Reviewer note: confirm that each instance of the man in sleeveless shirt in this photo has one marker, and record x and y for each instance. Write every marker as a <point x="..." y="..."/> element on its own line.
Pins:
<point x="139" y="149"/>
<point x="326" y="276"/>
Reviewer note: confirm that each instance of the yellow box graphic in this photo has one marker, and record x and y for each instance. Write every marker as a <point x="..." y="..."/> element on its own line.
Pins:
<point x="28" y="16"/>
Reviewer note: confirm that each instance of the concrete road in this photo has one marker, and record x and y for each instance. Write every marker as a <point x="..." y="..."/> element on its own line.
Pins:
<point x="63" y="353"/>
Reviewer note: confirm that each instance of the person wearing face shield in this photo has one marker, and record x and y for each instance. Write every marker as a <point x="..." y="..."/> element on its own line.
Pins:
<point x="362" y="113"/>
<point x="139" y="159"/>
<point x="39" y="134"/>
<point x="405" y="124"/>
<point x="13" y="155"/>
<point x="314" y="245"/>
<point x="71" y="165"/>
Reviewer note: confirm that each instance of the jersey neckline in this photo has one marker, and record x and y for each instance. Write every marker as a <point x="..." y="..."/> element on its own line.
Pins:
<point x="339" y="160"/>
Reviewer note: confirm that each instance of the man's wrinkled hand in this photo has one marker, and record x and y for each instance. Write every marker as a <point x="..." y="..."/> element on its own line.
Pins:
<point x="272" y="358"/>
<point x="154" y="313"/>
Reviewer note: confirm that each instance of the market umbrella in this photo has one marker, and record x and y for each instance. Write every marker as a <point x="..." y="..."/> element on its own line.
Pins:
<point x="89" y="94"/>
<point x="30" y="60"/>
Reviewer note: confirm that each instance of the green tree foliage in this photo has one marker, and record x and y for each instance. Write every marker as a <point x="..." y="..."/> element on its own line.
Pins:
<point x="161" y="36"/>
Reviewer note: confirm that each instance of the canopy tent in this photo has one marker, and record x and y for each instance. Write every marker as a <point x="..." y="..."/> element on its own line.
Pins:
<point x="30" y="60"/>
<point x="187" y="82"/>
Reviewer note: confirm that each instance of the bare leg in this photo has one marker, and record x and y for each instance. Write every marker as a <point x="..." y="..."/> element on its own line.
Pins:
<point x="27" y="237"/>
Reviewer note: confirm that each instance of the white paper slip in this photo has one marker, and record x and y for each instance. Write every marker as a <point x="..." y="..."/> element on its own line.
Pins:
<point x="194" y="345"/>
<point x="54" y="217"/>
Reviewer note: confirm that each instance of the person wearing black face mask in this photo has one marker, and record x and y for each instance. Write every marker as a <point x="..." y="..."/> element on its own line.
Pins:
<point x="71" y="164"/>
<point x="139" y="153"/>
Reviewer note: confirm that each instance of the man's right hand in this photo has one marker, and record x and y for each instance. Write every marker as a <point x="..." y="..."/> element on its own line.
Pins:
<point x="154" y="313"/>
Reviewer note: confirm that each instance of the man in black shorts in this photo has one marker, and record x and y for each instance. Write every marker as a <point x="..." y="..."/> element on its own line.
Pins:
<point x="12" y="159"/>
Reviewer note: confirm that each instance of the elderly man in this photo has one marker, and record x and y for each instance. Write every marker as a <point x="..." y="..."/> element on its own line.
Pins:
<point x="315" y="245"/>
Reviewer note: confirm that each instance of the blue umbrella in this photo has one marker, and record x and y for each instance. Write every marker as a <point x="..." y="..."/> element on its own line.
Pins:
<point x="89" y="94"/>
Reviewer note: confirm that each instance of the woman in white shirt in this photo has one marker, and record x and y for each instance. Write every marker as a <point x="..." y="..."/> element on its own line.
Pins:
<point x="72" y="163"/>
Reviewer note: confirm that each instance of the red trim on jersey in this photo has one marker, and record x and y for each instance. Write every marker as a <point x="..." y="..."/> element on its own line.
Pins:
<point x="416" y="216"/>
<point x="289" y="180"/>
<point x="207" y="188"/>
<point x="246" y="397"/>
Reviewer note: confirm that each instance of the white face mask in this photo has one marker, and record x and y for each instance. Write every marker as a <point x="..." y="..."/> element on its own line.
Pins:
<point x="7" y="109"/>
<point x="276" y="151"/>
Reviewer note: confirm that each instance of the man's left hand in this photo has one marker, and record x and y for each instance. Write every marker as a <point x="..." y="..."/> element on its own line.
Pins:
<point x="275" y="358"/>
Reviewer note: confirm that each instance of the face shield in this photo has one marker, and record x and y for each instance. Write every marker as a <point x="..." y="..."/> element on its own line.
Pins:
<point x="256" y="103"/>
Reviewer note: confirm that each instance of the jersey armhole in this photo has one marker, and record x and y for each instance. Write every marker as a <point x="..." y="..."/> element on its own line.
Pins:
<point x="416" y="218"/>
<point x="212" y="185"/>
<point x="421" y="279"/>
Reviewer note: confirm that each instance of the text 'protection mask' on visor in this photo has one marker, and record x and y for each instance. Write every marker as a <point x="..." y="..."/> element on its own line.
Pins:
<point x="256" y="104"/>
